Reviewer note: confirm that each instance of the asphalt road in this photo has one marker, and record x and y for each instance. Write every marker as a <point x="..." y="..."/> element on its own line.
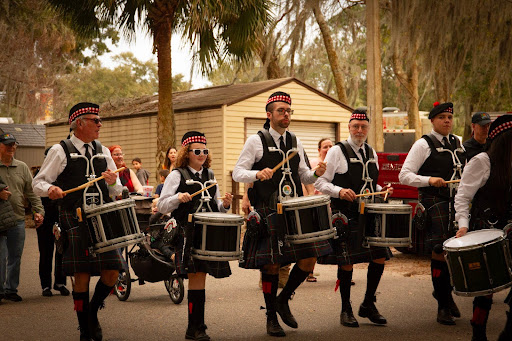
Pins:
<point x="233" y="310"/>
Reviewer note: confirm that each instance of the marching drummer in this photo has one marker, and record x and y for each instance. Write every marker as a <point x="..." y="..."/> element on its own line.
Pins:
<point x="59" y="173"/>
<point x="488" y="191"/>
<point x="432" y="161"/>
<point x="265" y="249"/>
<point x="193" y="163"/>
<point x="342" y="180"/>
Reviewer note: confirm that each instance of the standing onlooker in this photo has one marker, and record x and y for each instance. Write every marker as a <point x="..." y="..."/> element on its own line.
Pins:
<point x="127" y="176"/>
<point x="170" y="159"/>
<point x="480" y="123"/>
<point x="18" y="179"/>
<point x="163" y="175"/>
<point x="142" y="174"/>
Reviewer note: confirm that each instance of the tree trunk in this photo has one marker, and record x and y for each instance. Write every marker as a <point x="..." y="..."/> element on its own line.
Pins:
<point x="331" y="52"/>
<point x="413" y="113"/>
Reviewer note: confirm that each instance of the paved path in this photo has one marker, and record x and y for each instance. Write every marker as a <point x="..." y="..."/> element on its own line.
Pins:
<point x="232" y="310"/>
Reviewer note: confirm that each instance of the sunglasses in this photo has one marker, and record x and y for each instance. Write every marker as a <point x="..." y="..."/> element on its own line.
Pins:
<point x="199" y="151"/>
<point x="95" y="120"/>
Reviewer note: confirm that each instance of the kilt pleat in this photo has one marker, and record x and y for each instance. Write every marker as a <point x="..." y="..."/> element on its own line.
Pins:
<point x="437" y="231"/>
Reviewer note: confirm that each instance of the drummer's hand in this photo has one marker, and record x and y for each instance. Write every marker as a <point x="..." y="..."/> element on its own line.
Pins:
<point x="55" y="193"/>
<point x="246" y="204"/>
<point x="184" y="197"/>
<point x="228" y="198"/>
<point x="389" y="189"/>
<point x="264" y="174"/>
<point x="38" y="219"/>
<point x="320" y="168"/>
<point x="110" y="177"/>
<point x="462" y="231"/>
<point x="436" y="182"/>
<point x="347" y="194"/>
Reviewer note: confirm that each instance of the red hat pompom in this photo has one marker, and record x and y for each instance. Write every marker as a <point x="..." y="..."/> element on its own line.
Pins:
<point x="436" y="104"/>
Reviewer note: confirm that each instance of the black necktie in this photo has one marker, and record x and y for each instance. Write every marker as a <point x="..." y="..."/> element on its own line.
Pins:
<point x="87" y="154"/>
<point x="446" y="143"/>
<point x="362" y="155"/>
<point x="282" y="146"/>
<point x="198" y="175"/>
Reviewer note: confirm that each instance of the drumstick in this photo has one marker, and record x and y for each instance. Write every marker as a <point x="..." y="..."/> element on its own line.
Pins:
<point x="281" y="163"/>
<point x="387" y="190"/>
<point x="204" y="189"/>
<point x="370" y="194"/>
<point x="453" y="181"/>
<point x="87" y="184"/>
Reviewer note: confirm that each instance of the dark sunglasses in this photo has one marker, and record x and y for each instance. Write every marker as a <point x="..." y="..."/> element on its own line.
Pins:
<point x="95" y="120"/>
<point x="199" y="151"/>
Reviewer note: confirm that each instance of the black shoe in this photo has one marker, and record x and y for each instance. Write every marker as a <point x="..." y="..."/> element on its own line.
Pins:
<point x="13" y="297"/>
<point x="95" y="329"/>
<point x="198" y="334"/>
<point x="286" y="315"/>
<point x="62" y="289"/>
<point x="454" y="310"/>
<point x="445" y="317"/>
<point x="273" y="327"/>
<point x="370" y="311"/>
<point x="347" y="319"/>
<point x="84" y="335"/>
<point x="47" y="292"/>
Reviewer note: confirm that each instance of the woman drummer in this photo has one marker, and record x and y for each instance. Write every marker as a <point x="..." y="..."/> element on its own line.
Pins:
<point x="193" y="162"/>
<point x="486" y="183"/>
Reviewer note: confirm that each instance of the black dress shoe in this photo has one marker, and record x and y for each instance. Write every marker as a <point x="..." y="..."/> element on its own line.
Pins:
<point x="454" y="310"/>
<point x="445" y="317"/>
<point x="348" y="320"/>
<point x="95" y="329"/>
<point x="198" y="334"/>
<point x="370" y="311"/>
<point x="62" y="289"/>
<point x="84" y="335"/>
<point x="273" y="327"/>
<point x="47" y="292"/>
<point x="13" y="297"/>
<point x="283" y="309"/>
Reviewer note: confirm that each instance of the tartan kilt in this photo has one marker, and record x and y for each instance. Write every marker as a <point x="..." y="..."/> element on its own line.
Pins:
<point x="76" y="259"/>
<point x="348" y="248"/>
<point x="437" y="227"/>
<point x="269" y="249"/>
<point x="213" y="268"/>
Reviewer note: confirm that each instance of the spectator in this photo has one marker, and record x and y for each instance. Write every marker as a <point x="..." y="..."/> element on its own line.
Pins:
<point x="127" y="176"/>
<point x="170" y="159"/>
<point x="18" y="179"/>
<point x="142" y="174"/>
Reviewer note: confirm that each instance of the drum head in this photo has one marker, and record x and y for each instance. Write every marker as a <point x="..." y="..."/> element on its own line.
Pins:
<point x="309" y="200"/>
<point x="111" y="206"/>
<point x="474" y="238"/>
<point x="218" y="217"/>
<point x="389" y="208"/>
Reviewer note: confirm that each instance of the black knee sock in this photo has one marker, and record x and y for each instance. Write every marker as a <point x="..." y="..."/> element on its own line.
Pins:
<point x="101" y="292"/>
<point x="441" y="282"/>
<point x="81" y="300"/>
<point x="196" y="301"/>
<point x="269" y="284"/>
<point x="481" y="307"/>
<point x="297" y="276"/>
<point x="372" y="281"/>
<point x="345" y="278"/>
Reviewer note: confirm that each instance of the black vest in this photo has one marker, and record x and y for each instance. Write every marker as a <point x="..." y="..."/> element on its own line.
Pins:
<point x="74" y="175"/>
<point x="266" y="192"/>
<point x="439" y="164"/>
<point x="353" y="178"/>
<point x="184" y="209"/>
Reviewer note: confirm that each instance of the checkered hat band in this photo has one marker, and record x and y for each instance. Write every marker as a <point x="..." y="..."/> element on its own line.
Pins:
<point x="499" y="129"/>
<point x="449" y="109"/>
<point x="358" y="117"/>
<point x="194" y="139"/>
<point x="83" y="111"/>
<point x="280" y="98"/>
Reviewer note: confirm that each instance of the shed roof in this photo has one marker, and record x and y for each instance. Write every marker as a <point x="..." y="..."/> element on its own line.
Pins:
<point x="28" y="135"/>
<point x="200" y="99"/>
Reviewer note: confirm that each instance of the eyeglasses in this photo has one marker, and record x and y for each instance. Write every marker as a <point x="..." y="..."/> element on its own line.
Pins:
<point x="118" y="154"/>
<point x="95" y="120"/>
<point x="199" y="151"/>
<point x="281" y="111"/>
<point x="12" y="144"/>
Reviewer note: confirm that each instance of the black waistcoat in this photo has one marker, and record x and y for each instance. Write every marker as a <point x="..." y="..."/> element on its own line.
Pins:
<point x="184" y="209"/>
<point x="266" y="192"/>
<point x="439" y="164"/>
<point x="74" y="175"/>
<point x="353" y="177"/>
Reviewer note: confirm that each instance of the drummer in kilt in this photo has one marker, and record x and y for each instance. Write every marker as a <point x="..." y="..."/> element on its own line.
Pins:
<point x="342" y="180"/>
<point x="59" y="173"/>
<point x="486" y="187"/>
<point x="431" y="162"/>
<point x="193" y="162"/>
<point x="264" y="247"/>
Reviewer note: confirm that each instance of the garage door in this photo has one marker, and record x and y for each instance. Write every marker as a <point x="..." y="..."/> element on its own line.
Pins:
<point x="309" y="133"/>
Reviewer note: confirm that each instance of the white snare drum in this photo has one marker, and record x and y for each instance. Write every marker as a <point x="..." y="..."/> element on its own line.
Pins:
<point x="217" y="236"/>
<point x="479" y="262"/>
<point x="113" y="225"/>
<point x="308" y="219"/>
<point x="388" y="225"/>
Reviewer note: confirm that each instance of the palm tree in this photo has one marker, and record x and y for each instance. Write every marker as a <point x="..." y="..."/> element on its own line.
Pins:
<point x="216" y="29"/>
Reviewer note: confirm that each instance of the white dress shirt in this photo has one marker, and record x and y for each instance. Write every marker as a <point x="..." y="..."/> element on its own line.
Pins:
<point x="420" y="151"/>
<point x="338" y="163"/>
<point x="253" y="152"/>
<point x="169" y="201"/>
<point x="56" y="161"/>
<point x="475" y="175"/>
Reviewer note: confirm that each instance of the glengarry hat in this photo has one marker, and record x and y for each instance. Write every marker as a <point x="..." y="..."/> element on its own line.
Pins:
<point x="83" y="108"/>
<point x="439" y="108"/>
<point x="499" y="126"/>
<point x="192" y="137"/>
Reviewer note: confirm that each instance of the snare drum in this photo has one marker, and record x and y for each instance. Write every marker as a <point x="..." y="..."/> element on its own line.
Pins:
<point x="113" y="225"/>
<point x="479" y="262"/>
<point x="388" y="225"/>
<point x="308" y="219"/>
<point x="217" y="236"/>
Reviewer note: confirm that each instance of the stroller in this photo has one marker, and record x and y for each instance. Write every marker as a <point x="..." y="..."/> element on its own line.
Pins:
<point x="150" y="265"/>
